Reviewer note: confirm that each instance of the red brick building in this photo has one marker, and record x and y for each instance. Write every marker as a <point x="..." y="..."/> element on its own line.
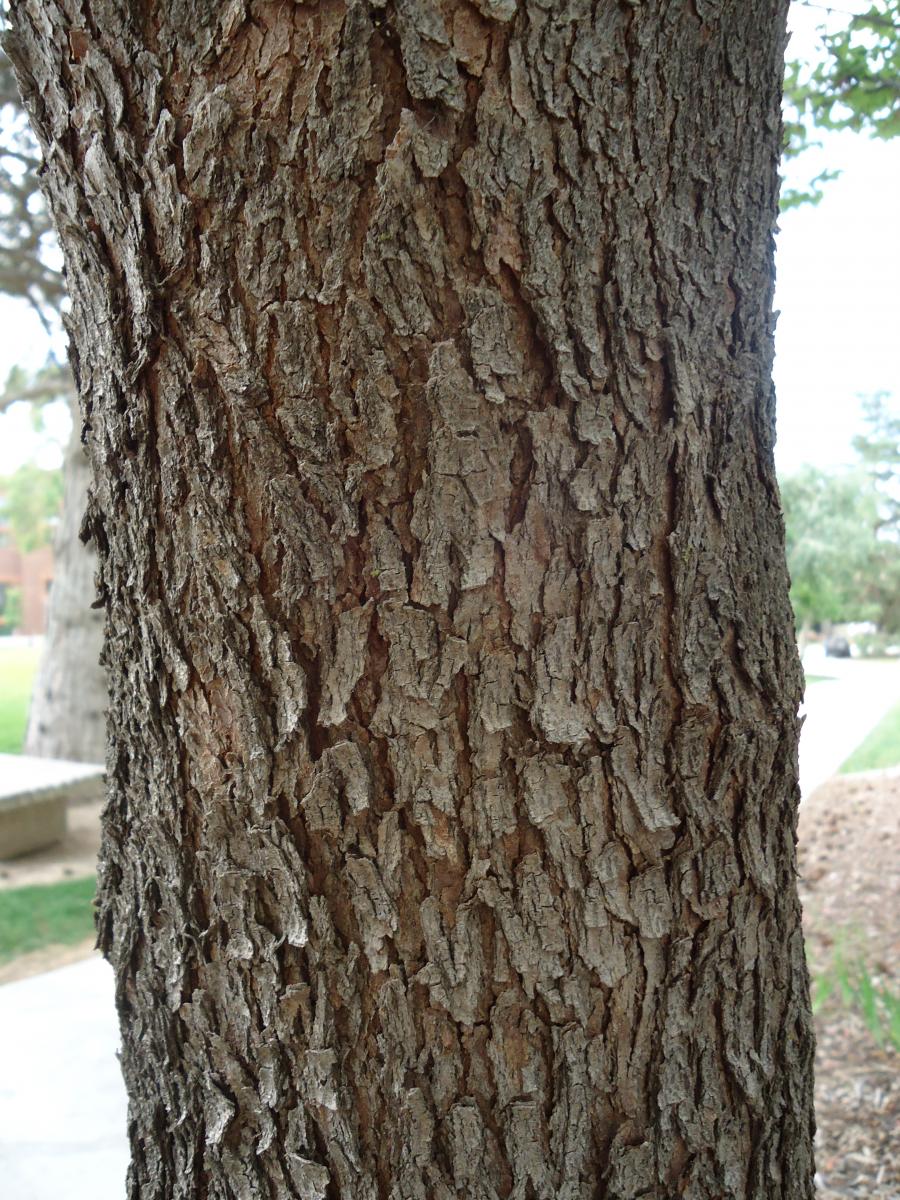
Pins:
<point x="32" y="573"/>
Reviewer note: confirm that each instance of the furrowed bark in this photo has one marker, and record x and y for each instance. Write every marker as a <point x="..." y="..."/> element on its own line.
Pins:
<point x="425" y="355"/>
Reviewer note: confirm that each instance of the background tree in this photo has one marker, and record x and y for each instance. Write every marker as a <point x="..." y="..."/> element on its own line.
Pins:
<point x="879" y="450"/>
<point x="27" y="239"/>
<point x="30" y="504"/>
<point x="425" y="360"/>
<point x="844" y="562"/>
<point x="833" y="553"/>
<point x="855" y="85"/>
<point x="67" y="712"/>
<point x="10" y="610"/>
<point x="843" y="531"/>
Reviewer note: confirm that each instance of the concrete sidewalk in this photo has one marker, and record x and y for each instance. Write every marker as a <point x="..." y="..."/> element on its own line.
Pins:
<point x="841" y="711"/>
<point x="62" y="1100"/>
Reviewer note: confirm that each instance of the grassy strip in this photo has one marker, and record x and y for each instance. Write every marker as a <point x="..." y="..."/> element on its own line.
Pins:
<point x="45" y="915"/>
<point x="851" y="983"/>
<point x="880" y="749"/>
<point x="17" y="668"/>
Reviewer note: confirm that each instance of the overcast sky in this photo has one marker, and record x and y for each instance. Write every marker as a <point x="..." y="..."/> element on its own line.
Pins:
<point x="838" y="292"/>
<point x="838" y="287"/>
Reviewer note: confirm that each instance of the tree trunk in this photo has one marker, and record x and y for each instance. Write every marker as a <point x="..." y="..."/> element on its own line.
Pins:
<point x="67" y="718"/>
<point x="425" y="355"/>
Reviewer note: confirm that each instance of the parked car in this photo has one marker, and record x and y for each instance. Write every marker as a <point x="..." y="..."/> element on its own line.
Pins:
<point x="837" y="647"/>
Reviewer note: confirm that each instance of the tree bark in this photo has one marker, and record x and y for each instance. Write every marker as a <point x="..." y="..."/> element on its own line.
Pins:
<point x="424" y="352"/>
<point x="67" y="717"/>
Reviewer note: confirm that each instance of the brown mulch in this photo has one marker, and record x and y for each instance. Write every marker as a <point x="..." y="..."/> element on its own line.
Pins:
<point x="48" y="958"/>
<point x="850" y="887"/>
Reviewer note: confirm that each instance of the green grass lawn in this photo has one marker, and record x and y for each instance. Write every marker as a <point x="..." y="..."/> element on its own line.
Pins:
<point x="45" y="915"/>
<point x="880" y="749"/>
<point x="17" y="667"/>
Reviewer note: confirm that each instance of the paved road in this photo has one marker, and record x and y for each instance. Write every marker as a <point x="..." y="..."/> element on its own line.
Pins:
<point x="62" y="1103"/>
<point x="841" y="712"/>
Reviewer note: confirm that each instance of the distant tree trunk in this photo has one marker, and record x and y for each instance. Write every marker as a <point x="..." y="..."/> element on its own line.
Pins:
<point x="67" y="718"/>
<point x="425" y="355"/>
<point x="803" y="636"/>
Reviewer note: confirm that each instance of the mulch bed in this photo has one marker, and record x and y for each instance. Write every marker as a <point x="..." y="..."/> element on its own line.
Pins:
<point x="850" y="887"/>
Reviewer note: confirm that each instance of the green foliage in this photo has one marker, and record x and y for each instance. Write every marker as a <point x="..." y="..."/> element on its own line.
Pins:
<point x="811" y="194"/>
<point x="879" y="450"/>
<point x="854" y="85"/>
<point x="17" y="669"/>
<point x="797" y="139"/>
<point x="10" y="611"/>
<point x="881" y="749"/>
<point x="851" y="983"/>
<point x="45" y="915"/>
<point x="877" y="645"/>
<point x="30" y="503"/>
<point x="857" y="84"/>
<point x="833" y="552"/>
<point x="843" y="531"/>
